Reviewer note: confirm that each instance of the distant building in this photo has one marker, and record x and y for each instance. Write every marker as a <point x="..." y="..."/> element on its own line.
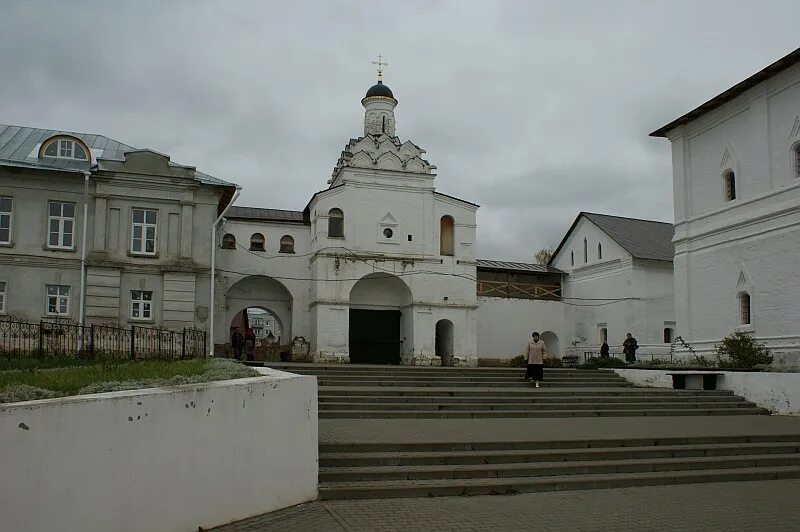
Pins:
<point x="148" y="249"/>
<point x="736" y="178"/>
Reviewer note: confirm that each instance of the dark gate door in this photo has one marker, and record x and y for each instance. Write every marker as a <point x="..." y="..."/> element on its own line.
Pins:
<point x="374" y="336"/>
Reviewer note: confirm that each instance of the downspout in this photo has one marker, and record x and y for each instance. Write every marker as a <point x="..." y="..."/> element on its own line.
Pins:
<point x="82" y="317"/>
<point x="212" y="301"/>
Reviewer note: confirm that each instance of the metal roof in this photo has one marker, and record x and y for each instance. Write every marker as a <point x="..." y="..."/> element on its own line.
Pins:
<point x="515" y="266"/>
<point x="270" y="215"/>
<point x="19" y="146"/>
<point x="643" y="239"/>
<point x="778" y="66"/>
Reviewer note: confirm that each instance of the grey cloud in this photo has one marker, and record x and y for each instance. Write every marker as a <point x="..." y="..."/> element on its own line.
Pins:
<point x="535" y="110"/>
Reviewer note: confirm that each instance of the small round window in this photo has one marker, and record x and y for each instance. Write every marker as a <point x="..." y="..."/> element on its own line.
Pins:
<point x="388" y="233"/>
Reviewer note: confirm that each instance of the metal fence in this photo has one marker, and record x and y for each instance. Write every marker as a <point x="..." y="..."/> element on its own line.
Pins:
<point x="19" y="338"/>
<point x="640" y="357"/>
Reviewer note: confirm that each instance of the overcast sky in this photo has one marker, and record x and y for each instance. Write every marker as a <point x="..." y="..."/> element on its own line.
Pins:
<point x="534" y="110"/>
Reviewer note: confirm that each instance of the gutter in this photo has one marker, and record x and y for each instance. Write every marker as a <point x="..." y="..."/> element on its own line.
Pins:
<point x="82" y="319"/>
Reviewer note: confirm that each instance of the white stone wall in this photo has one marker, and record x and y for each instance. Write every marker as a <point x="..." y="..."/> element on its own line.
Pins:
<point x="505" y="325"/>
<point x="160" y="459"/>
<point x="750" y="243"/>
<point x="778" y="392"/>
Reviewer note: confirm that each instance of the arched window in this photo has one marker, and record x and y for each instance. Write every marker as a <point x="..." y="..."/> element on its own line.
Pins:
<point x="585" y="251"/>
<point x="572" y="258"/>
<point x="729" y="185"/>
<point x="64" y="148"/>
<point x="257" y="242"/>
<point x="667" y="335"/>
<point x="335" y="223"/>
<point x="228" y="241"/>
<point x="599" y="251"/>
<point x="796" y="158"/>
<point x="446" y="236"/>
<point x="744" y="309"/>
<point x="287" y="244"/>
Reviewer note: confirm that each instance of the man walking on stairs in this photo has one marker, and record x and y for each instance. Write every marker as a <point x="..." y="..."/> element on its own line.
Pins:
<point x="535" y="351"/>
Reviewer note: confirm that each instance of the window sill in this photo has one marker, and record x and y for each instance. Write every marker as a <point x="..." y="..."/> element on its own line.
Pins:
<point x="56" y="249"/>
<point x="287" y="252"/>
<point x="336" y="237"/>
<point x="143" y="255"/>
<point x="258" y="250"/>
<point x="134" y="321"/>
<point x="746" y="328"/>
<point x="6" y="244"/>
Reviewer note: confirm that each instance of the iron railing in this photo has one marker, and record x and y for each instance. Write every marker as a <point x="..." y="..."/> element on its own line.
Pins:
<point x="19" y="338"/>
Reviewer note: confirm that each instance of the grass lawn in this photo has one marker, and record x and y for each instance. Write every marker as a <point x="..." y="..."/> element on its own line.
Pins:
<point x="44" y="381"/>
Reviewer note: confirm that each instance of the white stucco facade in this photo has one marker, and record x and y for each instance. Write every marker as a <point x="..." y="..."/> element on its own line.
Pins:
<point x="185" y="458"/>
<point x="607" y="290"/>
<point x="369" y="242"/>
<point x="726" y="248"/>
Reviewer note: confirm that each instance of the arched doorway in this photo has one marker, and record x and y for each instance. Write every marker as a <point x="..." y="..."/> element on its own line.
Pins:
<point x="550" y="339"/>
<point x="380" y="319"/>
<point x="444" y="341"/>
<point x="262" y="306"/>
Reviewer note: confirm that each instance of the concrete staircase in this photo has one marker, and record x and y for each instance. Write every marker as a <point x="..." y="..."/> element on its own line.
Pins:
<point x="347" y="391"/>
<point x="356" y="471"/>
<point x="382" y="395"/>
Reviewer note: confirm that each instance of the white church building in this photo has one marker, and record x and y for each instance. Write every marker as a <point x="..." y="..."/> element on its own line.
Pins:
<point x="379" y="267"/>
<point x="736" y="179"/>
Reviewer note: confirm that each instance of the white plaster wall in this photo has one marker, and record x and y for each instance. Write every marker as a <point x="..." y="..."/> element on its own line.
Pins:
<point x="755" y="236"/>
<point x="505" y="324"/>
<point x="159" y="459"/>
<point x="778" y="392"/>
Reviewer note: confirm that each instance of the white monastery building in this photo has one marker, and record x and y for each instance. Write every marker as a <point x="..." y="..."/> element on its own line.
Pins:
<point x="736" y="173"/>
<point x="378" y="267"/>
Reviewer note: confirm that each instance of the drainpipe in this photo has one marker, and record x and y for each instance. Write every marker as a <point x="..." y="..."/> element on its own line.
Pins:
<point x="82" y="318"/>
<point x="212" y="301"/>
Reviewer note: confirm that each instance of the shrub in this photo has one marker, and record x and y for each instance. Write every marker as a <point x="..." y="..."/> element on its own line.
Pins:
<point x="741" y="350"/>
<point x="519" y="361"/>
<point x="598" y="362"/>
<point x="553" y="362"/>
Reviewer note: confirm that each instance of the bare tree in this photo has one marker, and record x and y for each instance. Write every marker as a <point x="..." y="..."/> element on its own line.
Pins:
<point x="543" y="256"/>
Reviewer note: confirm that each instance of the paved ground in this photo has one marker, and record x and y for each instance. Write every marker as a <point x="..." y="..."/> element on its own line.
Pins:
<point x="553" y="429"/>
<point x="746" y="506"/>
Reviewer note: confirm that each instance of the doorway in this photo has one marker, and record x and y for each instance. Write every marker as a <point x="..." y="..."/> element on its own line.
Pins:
<point x="375" y="336"/>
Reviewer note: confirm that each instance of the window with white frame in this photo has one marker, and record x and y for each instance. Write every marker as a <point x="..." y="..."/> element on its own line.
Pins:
<point x="57" y="300"/>
<point x="2" y="296"/>
<point x="65" y="149"/>
<point x="141" y="305"/>
<point x="61" y="225"/>
<point x="144" y="231"/>
<point x="6" y="204"/>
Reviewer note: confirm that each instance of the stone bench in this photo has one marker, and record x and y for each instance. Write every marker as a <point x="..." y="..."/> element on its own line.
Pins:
<point x="694" y="380"/>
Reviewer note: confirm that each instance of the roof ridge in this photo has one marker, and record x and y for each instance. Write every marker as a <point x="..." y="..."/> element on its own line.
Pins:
<point x="626" y="218"/>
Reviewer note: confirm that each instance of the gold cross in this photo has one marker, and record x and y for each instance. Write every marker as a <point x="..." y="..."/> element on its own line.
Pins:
<point x="380" y="63"/>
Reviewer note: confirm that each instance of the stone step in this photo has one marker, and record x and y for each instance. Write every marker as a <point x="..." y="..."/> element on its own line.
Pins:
<point x="527" y="399"/>
<point x="514" y="470"/>
<point x="468" y="383"/>
<point x="414" y="379"/>
<point x="710" y="441"/>
<point x="530" y="391"/>
<point x="488" y="405"/>
<point x="519" y="373"/>
<point x="334" y="460"/>
<point x="511" y="485"/>
<point x="355" y="368"/>
<point x="678" y="410"/>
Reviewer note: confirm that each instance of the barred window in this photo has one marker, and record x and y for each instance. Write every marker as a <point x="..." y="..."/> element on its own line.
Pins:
<point x="729" y="185"/>
<point x="744" y="309"/>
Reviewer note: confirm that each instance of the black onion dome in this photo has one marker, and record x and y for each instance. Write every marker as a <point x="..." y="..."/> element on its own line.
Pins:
<point x="379" y="89"/>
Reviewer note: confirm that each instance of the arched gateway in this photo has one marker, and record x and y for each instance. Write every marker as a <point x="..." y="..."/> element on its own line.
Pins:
<point x="380" y="319"/>
<point x="263" y="293"/>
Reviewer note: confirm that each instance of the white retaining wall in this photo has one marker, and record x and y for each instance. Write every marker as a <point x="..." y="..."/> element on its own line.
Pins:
<point x="778" y="392"/>
<point x="163" y="459"/>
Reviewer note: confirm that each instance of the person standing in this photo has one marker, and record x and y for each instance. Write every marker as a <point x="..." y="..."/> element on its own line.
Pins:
<point x="604" y="350"/>
<point x="237" y="339"/>
<point x="535" y="351"/>
<point x="629" y="347"/>
<point x="250" y="344"/>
